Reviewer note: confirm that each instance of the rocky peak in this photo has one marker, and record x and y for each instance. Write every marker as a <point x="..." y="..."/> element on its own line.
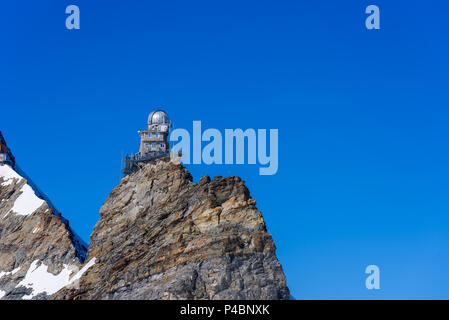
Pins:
<point x="39" y="253"/>
<point x="162" y="236"/>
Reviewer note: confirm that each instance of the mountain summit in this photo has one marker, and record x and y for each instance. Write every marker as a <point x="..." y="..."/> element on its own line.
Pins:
<point x="39" y="253"/>
<point x="162" y="236"/>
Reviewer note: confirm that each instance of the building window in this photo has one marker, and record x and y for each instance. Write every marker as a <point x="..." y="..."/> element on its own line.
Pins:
<point x="157" y="134"/>
<point x="150" y="135"/>
<point x="153" y="146"/>
<point x="162" y="145"/>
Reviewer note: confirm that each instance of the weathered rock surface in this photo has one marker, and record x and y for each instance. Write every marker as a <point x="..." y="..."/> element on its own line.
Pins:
<point x="39" y="253"/>
<point x="162" y="236"/>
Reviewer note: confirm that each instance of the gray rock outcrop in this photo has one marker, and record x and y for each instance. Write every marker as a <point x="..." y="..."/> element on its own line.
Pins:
<point x="162" y="236"/>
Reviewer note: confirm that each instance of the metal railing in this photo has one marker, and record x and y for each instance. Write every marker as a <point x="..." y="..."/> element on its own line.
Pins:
<point x="131" y="163"/>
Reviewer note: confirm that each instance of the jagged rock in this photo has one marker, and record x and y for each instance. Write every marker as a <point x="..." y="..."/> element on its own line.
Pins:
<point x="38" y="250"/>
<point x="162" y="236"/>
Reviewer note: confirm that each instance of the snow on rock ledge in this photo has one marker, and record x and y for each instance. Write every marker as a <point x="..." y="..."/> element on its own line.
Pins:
<point x="41" y="281"/>
<point x="27" y="202"/>
<point x="8" y="175"/>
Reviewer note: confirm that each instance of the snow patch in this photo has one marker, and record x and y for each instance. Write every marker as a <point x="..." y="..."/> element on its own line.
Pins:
<point x="2" y="294"/>
<point x="8" y="175"/>
<point x="40" y="280"/>
<point x="3" y="273"/>
<point x="27" y="203"/>
<point x="78" y="275"/>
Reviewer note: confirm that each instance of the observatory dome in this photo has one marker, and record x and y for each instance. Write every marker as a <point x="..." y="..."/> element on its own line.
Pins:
<point x="157" y="117"/>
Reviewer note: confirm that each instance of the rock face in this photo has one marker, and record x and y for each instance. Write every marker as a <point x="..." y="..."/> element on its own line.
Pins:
<point x="162" y="236"/>
<point x="39" y="253"/>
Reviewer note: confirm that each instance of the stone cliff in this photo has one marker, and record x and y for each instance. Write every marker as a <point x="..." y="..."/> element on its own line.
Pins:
<point x="162" y="236"/>
<point x="39" y="253"/>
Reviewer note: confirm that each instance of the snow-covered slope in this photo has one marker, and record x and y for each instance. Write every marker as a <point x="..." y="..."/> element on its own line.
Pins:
<point x="27" y="202"/>
<point x="39" y="253"/>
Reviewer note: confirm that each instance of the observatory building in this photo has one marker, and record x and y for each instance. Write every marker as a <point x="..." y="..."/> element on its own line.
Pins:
<point x="6" y="156"/>
<point x="153" y="142"/>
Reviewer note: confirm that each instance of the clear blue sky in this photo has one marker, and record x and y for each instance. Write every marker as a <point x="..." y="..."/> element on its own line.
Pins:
<point x="362" y="118"/>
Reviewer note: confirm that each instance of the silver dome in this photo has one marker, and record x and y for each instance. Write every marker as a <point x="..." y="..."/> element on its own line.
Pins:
<point x="157" y="117"/>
